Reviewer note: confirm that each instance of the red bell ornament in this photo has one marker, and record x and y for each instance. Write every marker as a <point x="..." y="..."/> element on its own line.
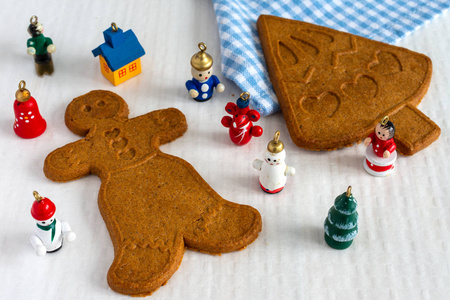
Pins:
<point x="28" y="122"/>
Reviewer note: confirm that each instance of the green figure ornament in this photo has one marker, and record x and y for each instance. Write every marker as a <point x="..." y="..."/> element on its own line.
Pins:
<point x="341" y="225"/>
<point x="40" y="47"/>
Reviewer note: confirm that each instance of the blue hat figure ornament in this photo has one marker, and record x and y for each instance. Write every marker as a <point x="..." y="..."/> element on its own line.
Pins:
<point x="201" y="86"/>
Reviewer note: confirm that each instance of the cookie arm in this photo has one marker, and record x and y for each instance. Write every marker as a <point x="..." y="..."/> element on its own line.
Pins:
<point x="68" y="162"/>
<point x="170" y="123"/>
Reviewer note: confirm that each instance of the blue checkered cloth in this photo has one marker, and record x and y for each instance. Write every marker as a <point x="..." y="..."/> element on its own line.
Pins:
<point x="243" y="59"/>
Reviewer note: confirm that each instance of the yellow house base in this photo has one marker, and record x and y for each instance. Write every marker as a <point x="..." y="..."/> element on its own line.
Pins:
<point x="122" y="74"/>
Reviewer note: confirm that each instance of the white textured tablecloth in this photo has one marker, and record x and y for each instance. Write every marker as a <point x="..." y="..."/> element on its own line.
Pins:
<point x="402" y="250"/>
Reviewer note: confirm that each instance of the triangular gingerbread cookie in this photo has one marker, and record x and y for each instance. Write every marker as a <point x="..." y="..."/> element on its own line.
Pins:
<point x="333" y="87"/>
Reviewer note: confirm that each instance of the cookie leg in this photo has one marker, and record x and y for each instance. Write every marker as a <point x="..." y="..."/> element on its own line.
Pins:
<point x="141" y="268"/>
<point x="225" y="227"/>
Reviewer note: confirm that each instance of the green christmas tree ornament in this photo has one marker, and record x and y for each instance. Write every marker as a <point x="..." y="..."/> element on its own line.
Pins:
<point x="341" y="225"/>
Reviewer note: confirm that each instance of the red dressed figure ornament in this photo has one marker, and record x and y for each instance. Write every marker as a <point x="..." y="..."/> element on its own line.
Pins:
<point x="241" y="126"/>
<point x="28" y="123"/>
<point x="380" y="151"/>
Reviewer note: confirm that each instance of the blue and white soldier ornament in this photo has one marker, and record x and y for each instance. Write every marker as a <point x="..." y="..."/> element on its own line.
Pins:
<point x="201" y="86"/>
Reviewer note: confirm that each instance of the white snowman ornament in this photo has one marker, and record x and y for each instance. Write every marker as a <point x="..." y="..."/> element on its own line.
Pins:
<point x="273" y="169"/>
<point x="50" y="233"/>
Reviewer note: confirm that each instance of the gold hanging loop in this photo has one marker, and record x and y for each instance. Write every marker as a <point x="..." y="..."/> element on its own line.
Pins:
<point x="202" y="46"/>
<point x="384" y="120"/>
<point x="114" y="27"/>
<point x="22" y="94"/>
<point x="37" y="196"/>
<point x="276" y="136"/>
<point x="245" y="96"/>
<point x="34" y="20"/>
<point x="349" y="191"/>
<point x="22" y="85"/>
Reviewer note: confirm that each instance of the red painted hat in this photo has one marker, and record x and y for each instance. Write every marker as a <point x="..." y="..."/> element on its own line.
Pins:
<point x="43" y="208"/>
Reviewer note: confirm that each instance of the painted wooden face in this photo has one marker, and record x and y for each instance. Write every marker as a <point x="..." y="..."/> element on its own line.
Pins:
<point x="382" y="133"/>
<point x="46" y="222"/>
<point x="274" y="159"/>
<point x="39" y="28"/>
<point x="202" y="75"/>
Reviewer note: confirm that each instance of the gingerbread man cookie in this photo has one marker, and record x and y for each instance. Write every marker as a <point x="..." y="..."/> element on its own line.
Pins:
<point x="154" y="204"/>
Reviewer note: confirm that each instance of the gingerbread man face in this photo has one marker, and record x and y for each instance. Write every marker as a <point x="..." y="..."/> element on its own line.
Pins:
<point x="85" y="112"/>
<point x="154" y="205"/>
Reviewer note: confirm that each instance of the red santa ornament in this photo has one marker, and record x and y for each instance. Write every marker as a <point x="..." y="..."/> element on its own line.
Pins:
<point x="381" y="156"/>
<point x="50" y="233"/>
<point x="241" y="126"/>
<point x="28" y="123"/>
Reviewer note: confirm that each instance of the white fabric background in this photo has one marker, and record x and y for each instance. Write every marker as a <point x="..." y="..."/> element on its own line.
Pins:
<point x="402" y="250"/>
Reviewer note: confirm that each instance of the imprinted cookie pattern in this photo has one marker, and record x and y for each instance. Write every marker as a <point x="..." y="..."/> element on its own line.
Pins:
<point x="154" y="204"/>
